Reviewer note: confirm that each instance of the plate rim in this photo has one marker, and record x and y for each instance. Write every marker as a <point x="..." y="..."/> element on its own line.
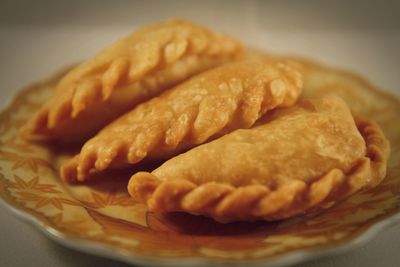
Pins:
<point x="294" y="257"/>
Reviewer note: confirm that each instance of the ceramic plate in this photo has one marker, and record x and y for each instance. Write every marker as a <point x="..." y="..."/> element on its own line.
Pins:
<point x="101" y="218"/>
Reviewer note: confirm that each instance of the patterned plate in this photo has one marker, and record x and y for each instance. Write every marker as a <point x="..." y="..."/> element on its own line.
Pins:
<point x="100" y="218"/>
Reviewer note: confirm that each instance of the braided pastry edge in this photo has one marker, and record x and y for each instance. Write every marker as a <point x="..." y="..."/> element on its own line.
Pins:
<point x="227" y="203"/>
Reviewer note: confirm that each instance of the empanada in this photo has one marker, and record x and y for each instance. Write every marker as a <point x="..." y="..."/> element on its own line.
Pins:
<point x="304" y="157"/>
<point x="206" y="106"/>
<point x="131" y="71"/>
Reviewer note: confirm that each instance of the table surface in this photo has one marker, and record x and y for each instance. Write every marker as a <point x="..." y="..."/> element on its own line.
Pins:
<point x="39" y="37"/>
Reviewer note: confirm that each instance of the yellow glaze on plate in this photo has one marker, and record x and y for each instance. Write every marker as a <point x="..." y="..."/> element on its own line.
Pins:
<point x="103" y="212"/>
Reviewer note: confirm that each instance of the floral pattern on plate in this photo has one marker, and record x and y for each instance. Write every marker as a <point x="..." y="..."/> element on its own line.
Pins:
<point x="102" y="213"/>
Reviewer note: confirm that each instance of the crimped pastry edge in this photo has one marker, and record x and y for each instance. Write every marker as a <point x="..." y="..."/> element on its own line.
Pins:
<point x="226" y="203"/>
<point x="80" y="166"/>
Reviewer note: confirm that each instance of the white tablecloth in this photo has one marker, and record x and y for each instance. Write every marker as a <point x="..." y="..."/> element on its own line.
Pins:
<point x="39" y="37"/>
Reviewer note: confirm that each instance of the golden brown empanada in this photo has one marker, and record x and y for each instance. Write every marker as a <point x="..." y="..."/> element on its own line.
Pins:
<point x="208" y="105"/>
<point x="304" y="157"/>
<point x="131" y="71"/>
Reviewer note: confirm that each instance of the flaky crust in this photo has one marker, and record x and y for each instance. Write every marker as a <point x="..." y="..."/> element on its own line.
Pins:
<point x="131" y="71"/>
<point x="254" y="200"/>
<point x="209" y="105"/>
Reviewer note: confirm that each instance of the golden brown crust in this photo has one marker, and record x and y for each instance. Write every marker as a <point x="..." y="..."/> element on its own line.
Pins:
<point x="132" y="70"/>
<point x="225" y="202"/>
<point x="211" y="104"/>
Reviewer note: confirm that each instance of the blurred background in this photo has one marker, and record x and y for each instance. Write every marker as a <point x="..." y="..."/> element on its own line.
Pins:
<point x="37" y="38"/>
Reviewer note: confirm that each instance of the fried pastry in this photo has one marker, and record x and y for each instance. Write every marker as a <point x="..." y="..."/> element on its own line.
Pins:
<point x="129" y="72"/>
<point x="208" y="105"/>
<point x="302" y="158"/>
